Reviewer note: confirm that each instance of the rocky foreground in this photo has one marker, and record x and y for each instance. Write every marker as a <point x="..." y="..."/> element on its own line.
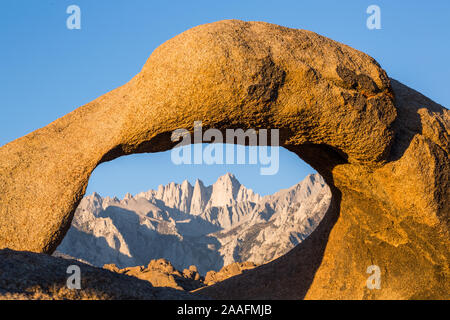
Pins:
<point x="382" y="147"/>
<point x="27" y="275"/>
<point x="161" y="273"/>
<point x="33" y="276"/>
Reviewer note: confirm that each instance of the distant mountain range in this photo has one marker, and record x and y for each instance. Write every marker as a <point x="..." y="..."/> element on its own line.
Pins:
<point x="206" y="226"/>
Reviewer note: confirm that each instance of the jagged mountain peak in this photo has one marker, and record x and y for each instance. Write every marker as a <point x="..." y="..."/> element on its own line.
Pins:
<point x="185" y="184"/>
<point x="95" y="195"/>
<point x="224" y="191"/>
<point x="228" y="176"/>
<point x="128" y="196"/>
<point x="179" y="223"/>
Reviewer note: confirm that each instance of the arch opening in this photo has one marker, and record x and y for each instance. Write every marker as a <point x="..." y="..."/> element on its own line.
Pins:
<point x="385" y="159"/>
<point x="210" y="225"/>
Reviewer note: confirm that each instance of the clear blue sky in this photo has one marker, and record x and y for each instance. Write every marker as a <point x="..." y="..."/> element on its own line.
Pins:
<point x="47" y="70"/>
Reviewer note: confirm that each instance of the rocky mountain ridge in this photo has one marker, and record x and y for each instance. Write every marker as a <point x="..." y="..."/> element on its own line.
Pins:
<point x="207" y="226"/>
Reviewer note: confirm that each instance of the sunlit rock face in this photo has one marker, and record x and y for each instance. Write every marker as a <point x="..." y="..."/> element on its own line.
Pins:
<point x="234" y="224"/>
<point x="382" y="148"/>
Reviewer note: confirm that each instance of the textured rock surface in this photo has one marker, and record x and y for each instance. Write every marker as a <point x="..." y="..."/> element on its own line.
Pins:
<point x="228" y="271"/>
<point x="277" y="224"/>
<point x="334" y="107"/>
<point x="159" y="224"/>
<point x="395" y="216"/>
<point x="28" y="275"/>
<point x="161" y="273"/>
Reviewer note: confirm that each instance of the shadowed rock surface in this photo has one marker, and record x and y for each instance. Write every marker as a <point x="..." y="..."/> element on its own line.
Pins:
<point x="28" y="275"/>
<point x="228" y="271"/>
<point x="380" y="146"/>
<point x="395" y="216"/>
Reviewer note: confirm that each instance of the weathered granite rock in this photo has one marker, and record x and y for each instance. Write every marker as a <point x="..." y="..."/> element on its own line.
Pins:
<point x="29" y="275"/>
<point x="334" y="107"/>
<point x="228" y="271"/>
<point x="192" y="273"/>
<point x="161" y="273"/>
<point x="394" y="215"/>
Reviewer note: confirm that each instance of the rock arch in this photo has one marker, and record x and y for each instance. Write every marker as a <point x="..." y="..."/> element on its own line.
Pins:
<point x="382" y="147"/>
